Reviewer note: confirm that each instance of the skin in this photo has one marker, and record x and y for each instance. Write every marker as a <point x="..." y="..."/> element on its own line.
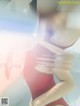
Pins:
<point x="59" y="22"/>
<point x="70" y="35"/>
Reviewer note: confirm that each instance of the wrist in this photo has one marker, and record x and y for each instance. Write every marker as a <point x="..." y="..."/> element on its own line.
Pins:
<point x="40" y="101"/>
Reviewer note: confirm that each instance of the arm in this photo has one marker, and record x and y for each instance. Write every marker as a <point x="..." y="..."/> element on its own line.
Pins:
<point x="57" y="92"/>
<point x="50" y="47"/>
<point x="61" y="89"/>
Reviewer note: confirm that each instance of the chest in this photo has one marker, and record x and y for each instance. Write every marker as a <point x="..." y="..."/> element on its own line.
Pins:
<point x="65" y="38"/>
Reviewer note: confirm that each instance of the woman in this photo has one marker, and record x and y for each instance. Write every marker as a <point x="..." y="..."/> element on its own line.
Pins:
<point x="49" y="56"/>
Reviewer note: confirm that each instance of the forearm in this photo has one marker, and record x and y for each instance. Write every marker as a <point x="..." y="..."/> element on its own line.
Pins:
<point x="62" y="70"/>
<point x="55" y="93"/>
<point x="50" y="47"/>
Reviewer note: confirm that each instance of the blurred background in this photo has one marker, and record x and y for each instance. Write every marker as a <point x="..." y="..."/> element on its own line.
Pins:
<point x="17" y="26"/>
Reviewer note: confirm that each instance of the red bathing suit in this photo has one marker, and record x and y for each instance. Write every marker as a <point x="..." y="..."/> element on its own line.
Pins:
<point x="39" y="82"/>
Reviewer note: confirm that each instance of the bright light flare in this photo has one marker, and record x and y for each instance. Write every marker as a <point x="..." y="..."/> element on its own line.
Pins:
<point x="14" y="44"/>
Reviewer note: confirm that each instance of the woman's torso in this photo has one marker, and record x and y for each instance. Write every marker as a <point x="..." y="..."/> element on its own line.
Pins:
<point x="39" y="82"/>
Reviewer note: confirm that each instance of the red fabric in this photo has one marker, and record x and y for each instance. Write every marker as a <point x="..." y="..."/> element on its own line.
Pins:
<point x="58" y="102"/>
<point x="39" y="82"/>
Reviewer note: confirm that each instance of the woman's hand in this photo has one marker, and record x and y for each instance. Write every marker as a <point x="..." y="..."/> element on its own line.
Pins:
<point x="36" y="102"/>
